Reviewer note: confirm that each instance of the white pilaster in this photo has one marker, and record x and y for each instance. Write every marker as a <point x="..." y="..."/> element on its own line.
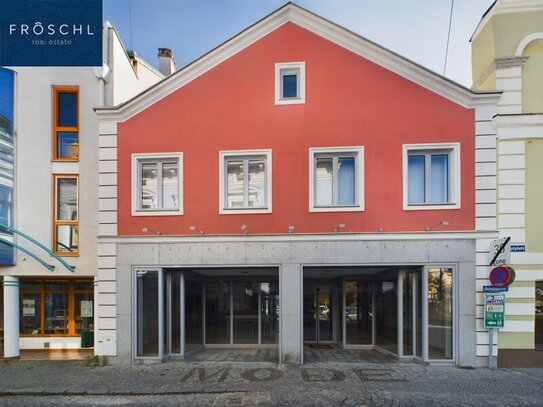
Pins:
<point x="11" y="317"/>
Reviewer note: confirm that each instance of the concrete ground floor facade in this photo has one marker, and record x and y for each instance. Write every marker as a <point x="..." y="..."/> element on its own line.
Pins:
<point x="412" y="296"/>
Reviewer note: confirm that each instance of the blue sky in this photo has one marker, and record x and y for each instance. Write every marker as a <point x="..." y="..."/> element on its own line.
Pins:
<point x="416" y="29"/>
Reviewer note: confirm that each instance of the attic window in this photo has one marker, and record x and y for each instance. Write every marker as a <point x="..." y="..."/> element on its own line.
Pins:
<point x="290" y="83"/>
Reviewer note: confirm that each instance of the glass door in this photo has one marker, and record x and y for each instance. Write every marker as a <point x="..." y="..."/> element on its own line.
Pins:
<point x="193" y="315"/>
<point x="358" y="312"/>
<point x="325" y="314"/>
<point x="318" y="316"/>
<point x="386" y="313"/>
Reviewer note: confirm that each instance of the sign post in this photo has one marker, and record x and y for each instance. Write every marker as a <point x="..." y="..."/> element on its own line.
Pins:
<point x="494" y="319"/>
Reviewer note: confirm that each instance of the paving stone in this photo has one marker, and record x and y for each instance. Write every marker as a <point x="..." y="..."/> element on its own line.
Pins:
<point x="222" y="383"/>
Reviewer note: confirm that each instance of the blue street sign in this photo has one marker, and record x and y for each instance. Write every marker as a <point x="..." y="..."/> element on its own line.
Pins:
<point x="494" y="289"/>
<point x="518" y="248"/>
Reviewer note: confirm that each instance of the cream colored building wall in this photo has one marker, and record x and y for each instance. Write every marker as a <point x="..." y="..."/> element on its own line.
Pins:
<point x="34" y="167"/>
<point x="511" y="31"/>
<point x="532" y="77"/>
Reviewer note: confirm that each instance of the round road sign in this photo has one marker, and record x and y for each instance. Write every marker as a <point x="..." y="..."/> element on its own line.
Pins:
<point x="500" y="276"/>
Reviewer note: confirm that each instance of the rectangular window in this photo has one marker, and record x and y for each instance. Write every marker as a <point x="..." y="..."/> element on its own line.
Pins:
<point x="336" y="180"/>
<point x="290" y="83"/>
<point x="246" y="180"/>
<point x="66" y="219"/>
<point x="431" y="176"/>
<point x="65" y="123"/>
<point x="157" y="184"/>
<point x="56" y="307"/>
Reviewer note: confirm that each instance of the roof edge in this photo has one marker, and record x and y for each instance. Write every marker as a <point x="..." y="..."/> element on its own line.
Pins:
<point x="333" y="32"/>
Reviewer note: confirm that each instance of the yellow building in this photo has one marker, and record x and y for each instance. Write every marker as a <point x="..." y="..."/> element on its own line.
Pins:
<point x="507" y="54"/>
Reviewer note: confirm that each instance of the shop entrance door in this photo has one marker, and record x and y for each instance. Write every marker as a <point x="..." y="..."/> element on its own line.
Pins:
<point x="318" y="316"/>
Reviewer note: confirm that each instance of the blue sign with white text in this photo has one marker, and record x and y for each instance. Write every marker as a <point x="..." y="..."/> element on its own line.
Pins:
<point x="51" y="33"/>
<point x="518" y="248"/>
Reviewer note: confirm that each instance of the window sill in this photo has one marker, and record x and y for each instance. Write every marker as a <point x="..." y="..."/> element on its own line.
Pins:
<point x="244" y="211"/>
<point x="357" y="208"/>
<point x="62" y="160"/>
<point x="49" y="336"/>
<point x="62" y="254"/>
<point x="431" y="207"/>
<point x="290" y="101"/>
<point x="157" y="213"/>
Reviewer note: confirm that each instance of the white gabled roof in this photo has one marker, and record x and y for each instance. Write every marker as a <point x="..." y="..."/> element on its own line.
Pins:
<point x="341" y="36"/>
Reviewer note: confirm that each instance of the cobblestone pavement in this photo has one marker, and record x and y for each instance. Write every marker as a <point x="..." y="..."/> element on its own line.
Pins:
<point x="47" y="383"/>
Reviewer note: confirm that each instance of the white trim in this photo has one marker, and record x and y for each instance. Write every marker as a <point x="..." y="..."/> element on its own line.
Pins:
<point x="268" y="183"/>
<point x="359" y="178"/>
<point x="527" y="40"/>
<point x="454" y="175"/>
<point x="295" y="67"/>
<point x="324" y="28"/>
<point x="135" y="177"/>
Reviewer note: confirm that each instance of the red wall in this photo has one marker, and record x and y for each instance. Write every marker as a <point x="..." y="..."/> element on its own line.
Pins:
<point x="349" y="102"/>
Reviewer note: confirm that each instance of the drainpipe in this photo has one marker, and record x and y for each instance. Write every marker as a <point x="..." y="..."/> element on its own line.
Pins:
<point x="103" y="73"/>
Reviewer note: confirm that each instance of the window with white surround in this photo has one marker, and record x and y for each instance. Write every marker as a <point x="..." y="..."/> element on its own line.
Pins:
<point x="157" y="184"/>
<point x="245" y="185"/>
<point x="336" y="179"/>
<point x="431" y="176"/>
<point x="290" y="83"/>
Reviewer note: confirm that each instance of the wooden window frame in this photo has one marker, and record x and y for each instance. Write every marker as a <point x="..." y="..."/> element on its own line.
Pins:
<point x="57" y="128"/>
<point x="70" y="292"/>
<point x="57" y="222"/>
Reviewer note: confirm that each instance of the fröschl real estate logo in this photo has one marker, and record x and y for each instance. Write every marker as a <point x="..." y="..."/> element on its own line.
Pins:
<point x="50" y="32"/>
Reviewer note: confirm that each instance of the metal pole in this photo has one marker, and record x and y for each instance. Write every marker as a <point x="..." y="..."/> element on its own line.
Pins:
<point x="490" y="346"/>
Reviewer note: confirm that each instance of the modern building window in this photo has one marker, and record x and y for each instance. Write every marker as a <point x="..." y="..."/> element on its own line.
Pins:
<point x="66" y="219"/>
<point x="290" y="83"/>
<point x="336" y="179"/>
<point x="245" y="181"/>
<point x="157" y="184"/>
<point x="56" y="307"/>
<point x="65" y="123"/>
<point x="431" y="176"/>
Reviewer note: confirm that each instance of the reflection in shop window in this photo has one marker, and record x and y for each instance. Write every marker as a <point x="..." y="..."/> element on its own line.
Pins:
<point x="440" y="313"/>
<point x="56" y="307"/>
<point x="148" y="313"/>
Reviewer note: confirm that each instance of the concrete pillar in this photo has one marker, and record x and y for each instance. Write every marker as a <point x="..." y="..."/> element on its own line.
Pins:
<point x="291" y="313"/>
<point x="11" y="317"/>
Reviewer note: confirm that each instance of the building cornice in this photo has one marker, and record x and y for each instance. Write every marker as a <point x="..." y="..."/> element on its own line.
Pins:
<point x="341" y="237"/>
<point x="510" y="62"/>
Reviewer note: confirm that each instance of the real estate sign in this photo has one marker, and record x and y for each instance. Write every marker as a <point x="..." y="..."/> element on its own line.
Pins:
<point x="494" y="310"/>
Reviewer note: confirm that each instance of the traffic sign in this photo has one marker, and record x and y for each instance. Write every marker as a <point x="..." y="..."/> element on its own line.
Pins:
<point x="495" y="289"/>
<point x="518" y="248"/>
<point x="494" y="310"/>
<point x="500" y="250"/>
<point x="500" y="276"/>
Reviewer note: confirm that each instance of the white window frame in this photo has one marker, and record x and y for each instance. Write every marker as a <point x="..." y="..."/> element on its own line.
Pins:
<point x="358" y="152"/>
<point x="136" y="187"/>
<point x="244" y="154"/>
<point x="453" y="149"/>
<point x="297" y="68"/>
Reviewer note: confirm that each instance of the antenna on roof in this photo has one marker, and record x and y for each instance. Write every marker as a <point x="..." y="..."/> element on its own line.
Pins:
<point x="448" y="39"/>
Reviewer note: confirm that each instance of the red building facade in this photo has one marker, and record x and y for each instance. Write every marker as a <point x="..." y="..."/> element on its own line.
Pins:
<point x="297" y="184"/>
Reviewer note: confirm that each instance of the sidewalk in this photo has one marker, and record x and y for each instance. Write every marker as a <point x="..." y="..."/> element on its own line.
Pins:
<point x="265" y="384"/>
